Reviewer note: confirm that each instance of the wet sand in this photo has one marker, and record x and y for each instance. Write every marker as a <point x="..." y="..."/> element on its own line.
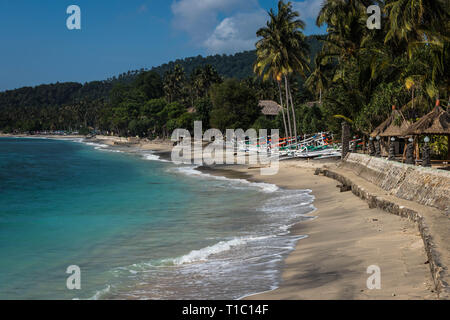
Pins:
<point x="343" y="241"/>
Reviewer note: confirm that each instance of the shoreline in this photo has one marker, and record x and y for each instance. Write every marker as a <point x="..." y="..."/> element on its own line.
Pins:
<point x="344" y="239"/>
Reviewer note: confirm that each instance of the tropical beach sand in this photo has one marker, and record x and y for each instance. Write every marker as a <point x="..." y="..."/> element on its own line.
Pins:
<point x="345" y="239"/>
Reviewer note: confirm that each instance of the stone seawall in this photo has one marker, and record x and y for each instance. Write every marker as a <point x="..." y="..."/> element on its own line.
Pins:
<point x="418" y="187"/>
<point x="426" y="186"/>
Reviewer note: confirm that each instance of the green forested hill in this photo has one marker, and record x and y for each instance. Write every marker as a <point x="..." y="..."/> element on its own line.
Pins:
<point x="69" y="105"/>
<point x="56" y="94"/>
<point x="239" y="65"/>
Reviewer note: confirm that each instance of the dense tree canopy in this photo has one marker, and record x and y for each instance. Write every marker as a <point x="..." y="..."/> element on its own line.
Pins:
<point x="234" y="106"/>
<point x="351" y="73"/>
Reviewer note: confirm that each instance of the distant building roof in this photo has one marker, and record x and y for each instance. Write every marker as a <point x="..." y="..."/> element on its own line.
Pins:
<point x="269" y="107"/>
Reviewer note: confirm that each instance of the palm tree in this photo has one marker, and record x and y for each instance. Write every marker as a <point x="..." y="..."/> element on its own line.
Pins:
<point x="295" y="48"/>
<point x="317" y="81"/>
<point x="351" y="55"/>
<point x="346" y="28"/>
<point x="412" y="20"/>
<point x="268" y="59"/>
<point x="173" y="82"/>
<point x="414" y="24"/>
<point x="282" y="51"/>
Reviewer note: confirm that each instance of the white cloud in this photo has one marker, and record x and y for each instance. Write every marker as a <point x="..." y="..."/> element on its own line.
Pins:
<point x="236" y="33"/>
<point x="308" y="9"/>
<point x="202" y="20"/>
<point x="228" y="26"/>
<point x="199" y="17"/>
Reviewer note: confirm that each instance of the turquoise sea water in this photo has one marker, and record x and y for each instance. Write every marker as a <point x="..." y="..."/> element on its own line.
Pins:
<point x="137" y="227"/>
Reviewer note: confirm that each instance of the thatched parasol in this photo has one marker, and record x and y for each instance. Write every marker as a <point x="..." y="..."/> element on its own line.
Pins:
<point x="269" y="107"/>
<point x="437" y="122"/>
<point x="394" y="126"/>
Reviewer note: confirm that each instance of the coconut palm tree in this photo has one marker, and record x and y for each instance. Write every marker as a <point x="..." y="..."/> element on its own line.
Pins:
<point x="317" y="81"/>
<point x="173" y="82"/>
<point x="413" y="20"/>
<point x="269" y="60"/>
<point x="282" y="50"/>
<point x="346" y="27"/>
<point x="413" y="24"/>
<point x="295" y="47"/>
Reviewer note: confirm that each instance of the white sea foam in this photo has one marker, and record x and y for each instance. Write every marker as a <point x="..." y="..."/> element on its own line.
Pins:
<point x="192" y="170"/>
<point x="253" y="259"/>
<point x="154" y="157"/>
<point x="96" y="145"/>
<point x="101" y="293"/>
<point x="204" y="253"/>
<point x="109" y="150"/>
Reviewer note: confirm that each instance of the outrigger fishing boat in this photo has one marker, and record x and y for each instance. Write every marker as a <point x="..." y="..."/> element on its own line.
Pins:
<point x="319" y="145"/>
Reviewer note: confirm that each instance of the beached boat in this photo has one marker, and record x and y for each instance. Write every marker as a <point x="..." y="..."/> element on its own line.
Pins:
<point x="318" y="145"/>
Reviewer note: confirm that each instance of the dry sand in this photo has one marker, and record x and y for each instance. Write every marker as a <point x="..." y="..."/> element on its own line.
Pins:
<point x="345" y="239"/>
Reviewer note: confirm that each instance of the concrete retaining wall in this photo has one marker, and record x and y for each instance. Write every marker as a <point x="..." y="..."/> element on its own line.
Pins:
<point x="437" y="267"/>
<point x="426" y="186"/>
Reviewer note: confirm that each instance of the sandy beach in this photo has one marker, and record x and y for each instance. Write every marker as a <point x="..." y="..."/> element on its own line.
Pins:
<point x="345" y="239"/>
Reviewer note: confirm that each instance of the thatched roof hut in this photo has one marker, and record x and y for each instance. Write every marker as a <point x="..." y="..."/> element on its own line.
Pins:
<point x="191" y="110"/>
<point x="269" y="107"/>
<point x="437" y="122"/>
<point x="394" y="126"/>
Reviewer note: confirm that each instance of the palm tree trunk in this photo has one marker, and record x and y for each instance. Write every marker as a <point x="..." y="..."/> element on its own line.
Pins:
<point x="282" y="109"/>
<point x="293" y="111"/>
<point x="287" y="107"/>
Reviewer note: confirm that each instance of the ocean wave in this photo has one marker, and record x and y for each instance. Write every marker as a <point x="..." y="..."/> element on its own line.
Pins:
<point x="192" y="170"/>
<point x="294" y="202"/>
<point x="285" y="208"/>
<point x="79" y="140"/>
<point x="154" y="157"/>
<point x="200" y="255"/>
<point x="101" y="293"/>
<point x="204" y="253"/>
<point x="96" y="145"/>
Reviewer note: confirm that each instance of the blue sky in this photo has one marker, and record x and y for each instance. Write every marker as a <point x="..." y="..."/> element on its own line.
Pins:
<point x="118" y="35"/>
